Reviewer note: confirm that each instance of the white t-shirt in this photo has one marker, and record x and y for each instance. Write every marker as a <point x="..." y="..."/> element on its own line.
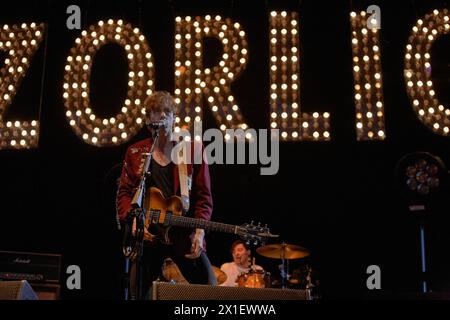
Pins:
<point x="232" y="270"/>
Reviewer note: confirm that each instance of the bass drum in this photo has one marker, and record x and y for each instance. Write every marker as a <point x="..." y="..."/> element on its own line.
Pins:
<point x="254" y="279"/>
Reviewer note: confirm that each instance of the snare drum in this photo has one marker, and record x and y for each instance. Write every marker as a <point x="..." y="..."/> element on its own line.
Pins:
<point x="254" y="279"/>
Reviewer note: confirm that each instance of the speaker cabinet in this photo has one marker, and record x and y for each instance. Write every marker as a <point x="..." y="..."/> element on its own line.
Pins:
<point x="46" y="291"/>
<point x="16" y="290"/>
<point x="41" y="270"/>
<point x="168" y="291"/>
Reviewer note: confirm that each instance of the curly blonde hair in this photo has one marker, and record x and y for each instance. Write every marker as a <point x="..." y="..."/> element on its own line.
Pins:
<point x="160" y="101"/>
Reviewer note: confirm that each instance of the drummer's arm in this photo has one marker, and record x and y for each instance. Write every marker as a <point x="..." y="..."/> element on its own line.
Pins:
<point x="257" y="267"/>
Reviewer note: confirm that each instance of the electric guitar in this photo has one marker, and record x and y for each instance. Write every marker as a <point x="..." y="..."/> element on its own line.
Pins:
<point x="163" y="213"/>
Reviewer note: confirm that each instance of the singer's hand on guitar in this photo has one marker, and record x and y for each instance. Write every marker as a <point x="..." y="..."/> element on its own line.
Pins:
<point x="147" y="235"/>
<point x="197" y="244"/>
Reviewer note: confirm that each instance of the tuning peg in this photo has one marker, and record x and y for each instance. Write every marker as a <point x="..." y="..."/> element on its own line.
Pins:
<point x="259" y="224"/>
<point x="251" y="223"/>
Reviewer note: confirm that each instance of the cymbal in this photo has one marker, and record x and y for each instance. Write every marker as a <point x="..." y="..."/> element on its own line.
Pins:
<point x="220" y="275"/>
<point x="277" y="251"/>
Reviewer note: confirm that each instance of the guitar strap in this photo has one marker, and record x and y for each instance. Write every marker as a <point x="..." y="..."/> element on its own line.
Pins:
<point x="185" y="179"/>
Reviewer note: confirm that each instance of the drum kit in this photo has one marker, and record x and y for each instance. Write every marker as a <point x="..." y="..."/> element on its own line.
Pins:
<point x="283" y="252"/>
<point x="257" y="278"/>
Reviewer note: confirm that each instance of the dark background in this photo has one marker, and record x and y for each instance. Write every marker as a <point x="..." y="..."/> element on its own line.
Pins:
<point x="336" y="198"/>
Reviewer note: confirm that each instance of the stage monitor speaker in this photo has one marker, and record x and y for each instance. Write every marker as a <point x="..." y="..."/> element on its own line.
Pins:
<point x="169" y="291"/>
<point x="16" y="290"/>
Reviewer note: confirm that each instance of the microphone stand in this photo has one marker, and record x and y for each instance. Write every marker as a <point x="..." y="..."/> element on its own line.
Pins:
<point x="134" y="252"/>
<point x="284" y="267"/>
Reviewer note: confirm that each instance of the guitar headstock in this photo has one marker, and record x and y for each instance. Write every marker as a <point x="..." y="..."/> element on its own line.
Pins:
<point x="255" y="234"/>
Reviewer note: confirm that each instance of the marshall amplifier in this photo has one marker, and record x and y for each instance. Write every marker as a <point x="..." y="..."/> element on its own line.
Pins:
<point x="41" y="271"/>
<point x="33" y="267"/>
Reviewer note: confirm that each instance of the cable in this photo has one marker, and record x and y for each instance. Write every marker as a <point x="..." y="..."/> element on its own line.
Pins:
<point x="44" y="65"/>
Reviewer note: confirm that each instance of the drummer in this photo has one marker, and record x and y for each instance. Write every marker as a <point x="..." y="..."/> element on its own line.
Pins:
<point x="241" y="263"/>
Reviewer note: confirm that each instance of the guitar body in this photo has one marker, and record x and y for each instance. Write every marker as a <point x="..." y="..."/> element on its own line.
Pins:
<point x="161" y="207"/>
<point x="159" y="213"/>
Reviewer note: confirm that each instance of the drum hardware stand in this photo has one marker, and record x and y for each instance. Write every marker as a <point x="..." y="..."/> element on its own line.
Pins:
<point x="284" y="268"/>
<point x="253" y="265"/>
<point x="309" y="284"/>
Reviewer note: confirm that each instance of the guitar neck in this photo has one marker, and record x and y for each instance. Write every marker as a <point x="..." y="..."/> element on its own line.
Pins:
<point x="187" y="222"/>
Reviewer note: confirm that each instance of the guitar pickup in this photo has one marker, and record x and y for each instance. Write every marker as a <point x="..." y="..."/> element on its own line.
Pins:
<point x="167" y="218"/>
<point x="154" y="216"/>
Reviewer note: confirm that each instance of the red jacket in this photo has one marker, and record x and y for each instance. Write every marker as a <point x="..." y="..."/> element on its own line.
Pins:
<point x="200" y="196"/>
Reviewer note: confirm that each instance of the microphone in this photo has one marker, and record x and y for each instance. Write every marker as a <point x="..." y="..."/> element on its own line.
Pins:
<point x="158" y="125"/>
